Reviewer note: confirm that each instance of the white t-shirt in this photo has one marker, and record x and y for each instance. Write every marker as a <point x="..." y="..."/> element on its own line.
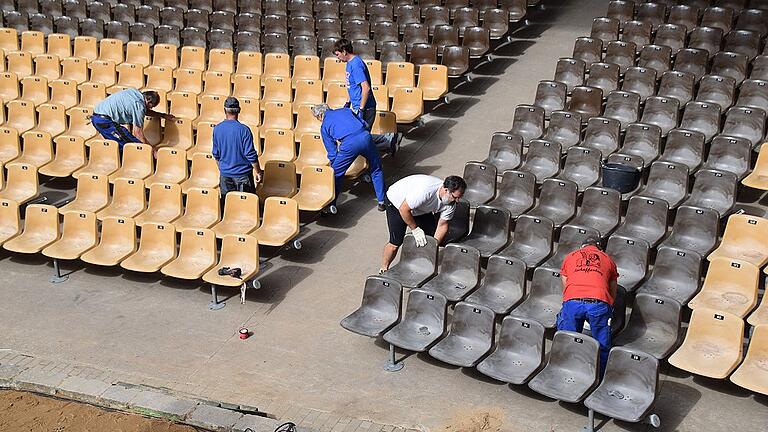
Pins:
<point x="420" y="191"/>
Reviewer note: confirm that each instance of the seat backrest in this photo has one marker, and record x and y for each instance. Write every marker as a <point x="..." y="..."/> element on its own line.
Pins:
<point x="534" y="232"/>
<point x="600" y="208"/>
<point x="505" y="151"/>
<point x="241" y="206"/>
<point x="602" y="134"/>
<point x="630" y="256"/>
<point x="41" y="219"/>
<point x="474" y="322"/>
<point x="281" y="211"/>
<point x="461" y="262"/>
<point x="565" y="128"/>
<point x="491" y="221"/>
<point x="79" y="228"/>
<point x="587" y="101"/>
<point x="162" y="195"/>
<point x="572" y="354"/>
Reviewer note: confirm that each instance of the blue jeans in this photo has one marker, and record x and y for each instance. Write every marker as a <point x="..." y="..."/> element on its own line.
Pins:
<point x="572" y="317"/>
<point x="242" y="183"/>
<point x="113" y="131"/>
<point x="352" y="147"/>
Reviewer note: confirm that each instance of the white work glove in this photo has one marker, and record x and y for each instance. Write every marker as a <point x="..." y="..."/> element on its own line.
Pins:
<point x="420" y="237"/>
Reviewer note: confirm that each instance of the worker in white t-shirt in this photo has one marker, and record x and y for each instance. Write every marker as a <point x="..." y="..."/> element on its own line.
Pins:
<point x="415" y="202"/>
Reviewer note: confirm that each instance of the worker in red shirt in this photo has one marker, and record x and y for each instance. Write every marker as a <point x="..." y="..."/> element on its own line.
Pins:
<point x="589" y="289"/>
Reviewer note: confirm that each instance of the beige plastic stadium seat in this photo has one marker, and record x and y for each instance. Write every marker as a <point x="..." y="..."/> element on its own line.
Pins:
<point x="10" y="220"/>
<point x="137" y="162"/>
<point x="21" y="115"/>
<point x="91" y="93"/>
<point x="128" y="76"/>
<point x="92" y="194"/>
<point x="20" y="63"/>
<point x="712" y="345"/>
<point x="281" y="222"/>
<point x="9" y="86"/>
<point x="730" y="286"/>
<point x="164" y="204"/>
<point x="311" y="152"/>
<point x="111" y="49"/>
<point x="744" y="239"/>
<point x="246" y="86"/>
<point x="178" y="134"/>
<point x="385" y="122"/>
<point x="277" y="115"/>
<point x="375" y="70"/>
<point x="78" y="236"/>
<point x="277" y="89"/>
<point x="9" y="144"/>
<point x="118" y="240"/>
<point x="79" y="125"/>
<point x="37" y="150"/>
<point x="221" y="60"/>
<point x="34" y="89"/>
<point x="153" y="130"/>
<point x="128" y="199"/>
<point x="408" y="105"/>
<point x="306" y="123"/>
<point x="760" y="315"/>
<point x="171" y="167"/>
<point x="758" y="178"/>
<point x="104" y="72"/>
<point x="306" y="67"/>
<point x="47" y="66"/>
<point x="157" y="247"/>
<point x="249" y="63"/>
<point x="400" y="75"/>
<point x="334" y="72"/>
<point x="317" y="188"/>
<point x="433" y="81"/>
<point x="217" y="83"/>
<point x="33" y="42"/>
<point x="64" y="92"/>
<point x="279" y="145"/>
<point x="184" y="105"/>
<point x="197" y="254"/>
<point x="41" y="228"/>
<point x="203" y="141"/>
<point x="60" y="45"/>
<point x="278" y="179"/>
<point x="201" y="210"/>
<point x="358" y="167"/>
<point x="338" y="95"/>
<point x="237" y="251"/>
<point x="103" y="158"/>
<point x="9" y="39"/>
<point x="74" y="69"/>
<point x="250" y="111"/>
<point x="138" y="53"/>
<point x="752" y="374"/>
<point x="211" y="109"/>
<point x="241" y="214"/>
<point x="204" y="173"/>
<point x="165" y="55"/>
<point x="189" y="81"/>
<point x="159" y="78"/>
<point x="192" y="57"/>
<point x="69" y="157"/>
<point x="308" y="92"/>
<point x="52" y="119"/>
<point x="276" y="65"/>
<point x="21" y="184"/>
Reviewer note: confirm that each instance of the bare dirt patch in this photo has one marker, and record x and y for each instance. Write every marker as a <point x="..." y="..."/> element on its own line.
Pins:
<point x="27" y="412"/>
<point x="477" y="420"/>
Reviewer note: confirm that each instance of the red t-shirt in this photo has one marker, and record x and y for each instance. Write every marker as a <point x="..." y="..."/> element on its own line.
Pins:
<point x="589" y="272"/>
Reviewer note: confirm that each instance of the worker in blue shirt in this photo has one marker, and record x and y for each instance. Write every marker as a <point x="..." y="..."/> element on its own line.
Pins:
<point x="235" y="153"/>
<point x="126" y="107"/>
<point x="361" y="99"/>
<point x="345" y="138"/>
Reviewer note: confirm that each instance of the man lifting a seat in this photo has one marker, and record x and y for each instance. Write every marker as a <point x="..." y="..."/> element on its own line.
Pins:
<point x="126" y="107"/>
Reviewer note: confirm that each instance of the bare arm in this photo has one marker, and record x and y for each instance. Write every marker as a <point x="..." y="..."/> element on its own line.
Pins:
<point x="441" y="231"/>
<point x="365" y="86"/>
<point x="405" y="213"/>
<point x="167" y="116"/>
<point x="138" y="132"/>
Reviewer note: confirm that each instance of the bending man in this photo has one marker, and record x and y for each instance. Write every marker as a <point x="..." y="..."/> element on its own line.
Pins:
<point x="126" y="107"/>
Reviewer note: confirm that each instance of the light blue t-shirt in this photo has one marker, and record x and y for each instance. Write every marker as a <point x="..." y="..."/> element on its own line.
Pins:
<point x="357" y="73"/>
<point x="124" y="107"/>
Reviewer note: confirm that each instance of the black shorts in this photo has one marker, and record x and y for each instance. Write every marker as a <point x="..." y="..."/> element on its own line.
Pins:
<point x="397" y="226"/>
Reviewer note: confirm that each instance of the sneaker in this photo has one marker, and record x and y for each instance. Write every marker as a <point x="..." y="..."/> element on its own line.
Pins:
<point x="394" y="143"/>
<point x="381" y="207"/>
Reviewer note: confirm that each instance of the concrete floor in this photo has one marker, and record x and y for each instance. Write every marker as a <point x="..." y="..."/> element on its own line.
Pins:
<point x="161" y="329"/>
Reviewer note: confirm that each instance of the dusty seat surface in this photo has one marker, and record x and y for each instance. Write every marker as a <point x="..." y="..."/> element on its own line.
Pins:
<point x="379" y="310"/>
<point x="459" y="272"/>
<point x="503" y="285"/>
<point x="572" y="368"/>
<point x="416" y="264"/>
<point x="654" y="326"/>
<point x="519" y="352"/>
<point x="469" y="338"/>
<point x="422" y="324"/>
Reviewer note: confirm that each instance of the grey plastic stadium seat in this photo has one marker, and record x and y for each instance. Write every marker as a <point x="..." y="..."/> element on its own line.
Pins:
<point x="671" y="35"/>
<point x="197" y="18"/>
<point x="646" y="219"/>
<point x="506" y="151"/>
<point x="557" y="201"/>
<point x="755" y="20"/>
<point x="75" y="9"/>
<point x="423" y="53"/>
<point x="380" y="308"/>
<point x="662" y="112"/>
<point x="68" y="25"/>
<point x="695" y="229"/>
<point x="600" y="210"/>
<point x="753" y="94"/>
<point x="760" y="67"/>
<point x="715" y="190"/>
<point x="655" y="57"/>
<point x="708" y="39"/>
<point x="542" y="160"/>
<point x="459" y="272"/>
<point x="602" y="134"/>
<point x="532" y="241"/>
<point x="528" y="122"/>
<point x="748" y="123"/>
<point x="478" y="40"/>
<point x="149" y="15"/>
<point x="415" y="33"/>
<point x="684" y="14"/>
<point x="631" y="258"/>
<point x="716" y="89"/>
<point x="456" y="59"/>
<point x="458" y="227"/>
<point x="642" y="140"/>
<point x="652" y="13"/>
<point x="469" y="338"/>
<point x="684" y="147"/>
<point x="392" y="51"/>
<point x="416" y="265"/>
<point x="604" y="76"/>
<point x="667" y="181"/>
<point x="571" y="72"/>
<point x="564" y="128"/>
<point x="41" y="23"/>
<point x="622" y="54"/>
<point x="718" y="17"/>
<point x="172" y="16"/>
<point x="52" y="8"/>
<point x="224" y="39"/>
<point x="544" y="299"/>
<point x="497" y="23"/>
<point x="637" y="32"/>
<point x="490" y="230"/>
<point x="366" y="49"/>
<point x="693" y="61"/>
<point x="622" y="106"/>
<point x="677" y="85"/>
<point x="676" y="275"/>
<point x="587" y="101"/>
<point x="629" y="388"/>
<point x="503" y="285"/>
<point x="422" y="324"/>
<point x="582" y="166"/>
<point x="572" y="369"/>
<point x="550" y="95"/>
<point x="519" y="352"/>
<point x="743" y="42"/>
<point x="481" y="183"/>
<point x="193" y="36"/>
<point x="571" y="238"/>
<point x="515" y="192"/>
<point x="702" y="117"/>
<point x="621" y="10"/>
<point x="588" y="49"/>
<point x="729" y="154"/>
<point x="605" y="29"/>
<point x="641" y="81"/>
<point x="730" y="64"/>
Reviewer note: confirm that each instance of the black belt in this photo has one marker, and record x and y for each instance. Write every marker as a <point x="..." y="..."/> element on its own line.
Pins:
<point x="588" y="300"/>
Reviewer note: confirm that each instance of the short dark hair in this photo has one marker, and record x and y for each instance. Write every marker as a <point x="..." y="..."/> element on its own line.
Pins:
<point x="152" y="97"/>
<point x="343" y="45"/>
<point x="454" y="183"/>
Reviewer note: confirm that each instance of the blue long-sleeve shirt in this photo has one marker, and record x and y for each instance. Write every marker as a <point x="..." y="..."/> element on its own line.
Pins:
<point x="233" y="148"/>
<point x="337" y="125"/>
<point x="357" y="73"/>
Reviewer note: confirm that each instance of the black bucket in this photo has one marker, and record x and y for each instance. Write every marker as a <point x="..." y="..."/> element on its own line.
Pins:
<point x="623" y="178"/>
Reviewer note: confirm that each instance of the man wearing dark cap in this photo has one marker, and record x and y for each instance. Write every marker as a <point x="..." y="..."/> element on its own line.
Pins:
<point x="234" y="150"/>
<point x="589" y="289"/>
